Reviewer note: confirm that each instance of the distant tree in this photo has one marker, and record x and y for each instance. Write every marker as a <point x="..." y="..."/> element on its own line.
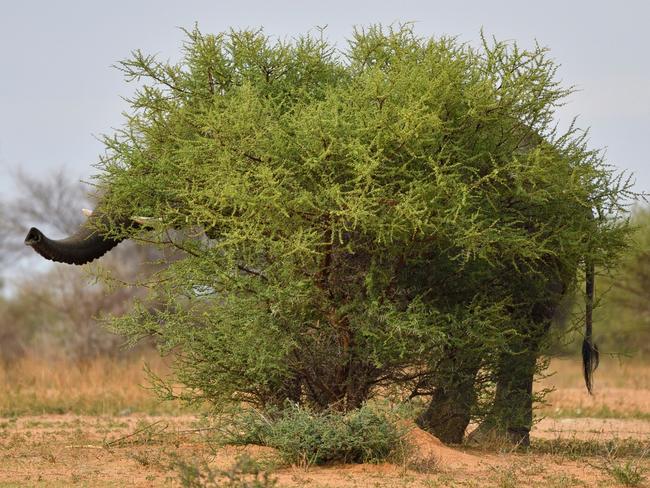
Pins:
<point x="56" y="311"/>
<point x="52" y="201"/>
<point x="625" y="309"/>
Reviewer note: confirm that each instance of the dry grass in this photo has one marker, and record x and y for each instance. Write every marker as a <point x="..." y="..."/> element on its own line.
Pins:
<point x="101" y="386"/>
<point x="622" y="390"/>
<point x="611" y="373"/>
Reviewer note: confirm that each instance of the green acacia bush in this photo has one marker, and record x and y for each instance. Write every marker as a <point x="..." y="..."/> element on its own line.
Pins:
<point x="351" y="219"/>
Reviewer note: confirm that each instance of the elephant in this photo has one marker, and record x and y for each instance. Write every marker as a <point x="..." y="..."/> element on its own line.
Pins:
<point x="510" y="418"/>
<point x="448" y="413"/>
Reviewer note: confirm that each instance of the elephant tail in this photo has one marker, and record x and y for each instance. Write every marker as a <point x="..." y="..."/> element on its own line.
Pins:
<point x="590" y="355"/>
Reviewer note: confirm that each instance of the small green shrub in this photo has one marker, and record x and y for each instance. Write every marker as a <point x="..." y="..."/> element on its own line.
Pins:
<point x="245" y="473"/>
<point x="629" y="473"/>
<point x="305" y="437"/>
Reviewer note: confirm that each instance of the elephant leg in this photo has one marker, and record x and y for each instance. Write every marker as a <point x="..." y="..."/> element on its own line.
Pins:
<point x="513" y="402"/>
<point x="448" y="413"/>
<point x="511" y="415"/>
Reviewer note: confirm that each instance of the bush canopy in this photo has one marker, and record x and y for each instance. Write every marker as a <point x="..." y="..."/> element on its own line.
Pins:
<point x="349" y="217"/>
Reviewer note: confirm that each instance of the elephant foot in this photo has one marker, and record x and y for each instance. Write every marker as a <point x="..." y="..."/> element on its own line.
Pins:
<point x="448" y="428"/>
<point x="519" y="437"/>
<point x="490" y="435"/>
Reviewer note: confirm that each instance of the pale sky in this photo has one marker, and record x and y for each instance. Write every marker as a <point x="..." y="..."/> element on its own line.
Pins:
<point x="58" y="90"/>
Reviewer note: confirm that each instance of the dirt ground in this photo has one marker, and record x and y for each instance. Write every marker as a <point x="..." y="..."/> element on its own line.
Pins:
<point x="604" y="444"/>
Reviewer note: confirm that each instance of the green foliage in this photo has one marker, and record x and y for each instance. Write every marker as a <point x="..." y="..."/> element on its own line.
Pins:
<point x="245" y="473"/>
<point x="351" y="218"/>
<point x="629" y="473"/>
<point x="305" y="437"/>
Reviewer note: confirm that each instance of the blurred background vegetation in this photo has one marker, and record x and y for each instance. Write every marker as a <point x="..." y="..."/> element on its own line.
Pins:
<point x="61" y="321"/>
<point x="623" y="315"/>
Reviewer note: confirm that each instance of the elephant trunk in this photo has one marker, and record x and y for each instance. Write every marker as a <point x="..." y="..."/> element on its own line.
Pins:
<point x="82" y="247"/>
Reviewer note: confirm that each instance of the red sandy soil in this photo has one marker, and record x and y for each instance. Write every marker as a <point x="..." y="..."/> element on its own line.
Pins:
<point x="62" y="450"/>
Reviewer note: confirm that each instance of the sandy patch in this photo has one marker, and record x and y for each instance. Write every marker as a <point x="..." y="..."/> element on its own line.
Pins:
<point x="67" y="450"/>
